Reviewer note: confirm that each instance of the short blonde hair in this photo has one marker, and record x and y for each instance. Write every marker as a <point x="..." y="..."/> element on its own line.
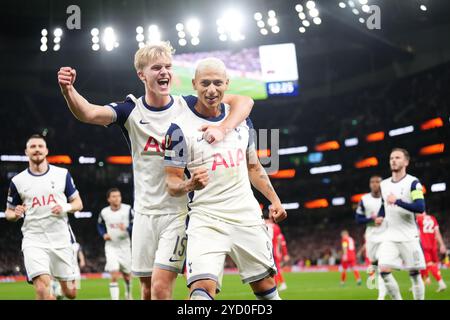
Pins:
<point x="211" y="62"/>
<point x="151" y="52"/>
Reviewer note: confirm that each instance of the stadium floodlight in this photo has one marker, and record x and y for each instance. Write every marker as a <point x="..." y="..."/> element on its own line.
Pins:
<point x="109" y="38"/>
<point x="58" y="32"/>
<point x="361" y="20"/>
<point x="182" y="42"/>
<point x="139" y="37"/>
<point x="95" y="39"/>
<point x="310" y="5"/>
<point x="351" y="142"/>
<point x="363" y="2"/>
<point x="299" y="8"/>
<point x="181" y="34"/>
<point x="302" y="29"/>
<point x="139" y="30"/>
<point x="95" y="32"/>
<point x="342" y="5"/>
<point x="272" y="21"/>
<point x="326" y="169"/>
<point x="258" y="16"/>
<point x="355" y="11"/>
<point x="95" y="47"/>
<point x="306" y="23"/>
<point x="338" y="201"/>
<point x="264" y="31"/>
<point x="153" y="34"/>
<point x="44" y="32"/>
<point x="57" y="40"/>
<point x="423" y="7"/>
<point x="365" y="8"/>
<point x="261" y="24"/>
<point x="292" y="150"/>
<point x="317" y="20"/>
<point x="271" y="14"/>
<point x="275" y="29"/>
<point x="56" y="47"/>
<point x="223" y="37"/>
<point x="314" y="12"/>
<point x="291" y="206"/>
<point x="179" y="27"/>
<point x="400" y="131"/>
<point x="195" y="41"/>
<point x="44" y="40"/>
<point x="439" y="187"/>
<point x="351" y="3"/>
<point x="302" y="15"/>
<point x="193" y="27"/>
<point x="231" y="22"/>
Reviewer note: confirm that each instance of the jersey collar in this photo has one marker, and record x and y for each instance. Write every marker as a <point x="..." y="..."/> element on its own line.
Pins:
<point x="151" y="108"/>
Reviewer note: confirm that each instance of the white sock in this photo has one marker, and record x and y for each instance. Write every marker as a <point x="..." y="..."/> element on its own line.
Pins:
<point x="442" y="283"/>
<point x="418" y="287"/>
<point x="381" y="288"/>
<point x="271" y="294"/>
<point x="114" y="290"/>
<point x="200" y="294"/>
<point x="391" y="286"/>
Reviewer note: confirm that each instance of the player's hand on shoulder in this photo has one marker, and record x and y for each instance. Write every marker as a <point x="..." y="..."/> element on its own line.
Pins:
<point x="200" y="179"/>
<point x="122" y="227"/>
<point x="106" y="237"/>
<point x="213" y="133"/>
<point x="66" y="78"/>
<point x="278" y="212"/>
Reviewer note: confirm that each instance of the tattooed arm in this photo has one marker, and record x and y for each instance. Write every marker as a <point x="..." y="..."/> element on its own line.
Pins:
<point x="178" y="186"/>
<point x="260" y="180"/>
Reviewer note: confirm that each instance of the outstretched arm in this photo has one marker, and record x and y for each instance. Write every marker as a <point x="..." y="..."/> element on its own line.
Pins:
<point x="442" y="247"/>
<point x="78" y="105"/>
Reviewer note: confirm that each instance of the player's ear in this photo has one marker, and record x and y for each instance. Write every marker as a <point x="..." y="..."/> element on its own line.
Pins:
<point x="193" y="84"/>
<point x="227" y="83"/>
<point x="141" y="75"/>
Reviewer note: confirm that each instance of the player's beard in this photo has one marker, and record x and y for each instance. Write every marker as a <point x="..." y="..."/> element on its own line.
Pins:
<point x="37" y="160"/>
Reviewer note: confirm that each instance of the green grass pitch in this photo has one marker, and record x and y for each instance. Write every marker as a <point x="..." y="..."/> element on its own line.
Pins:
<point x="301" y="286"/>
<point x="182" y="84"/>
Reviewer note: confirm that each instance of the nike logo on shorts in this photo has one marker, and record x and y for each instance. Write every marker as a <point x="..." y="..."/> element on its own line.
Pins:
<point x="174" y="260"/>
<point x="143" y="122"/>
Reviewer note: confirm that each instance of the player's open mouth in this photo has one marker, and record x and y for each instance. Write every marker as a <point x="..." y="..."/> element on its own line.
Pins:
<point x="211" y="99"/>
<point x="164" y="83"/>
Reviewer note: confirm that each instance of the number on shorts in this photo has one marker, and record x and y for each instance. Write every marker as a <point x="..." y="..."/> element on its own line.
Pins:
<point x="182" y="244"/>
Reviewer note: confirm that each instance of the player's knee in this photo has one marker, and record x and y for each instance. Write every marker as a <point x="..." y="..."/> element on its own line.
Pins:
<point x="161" y="290"/>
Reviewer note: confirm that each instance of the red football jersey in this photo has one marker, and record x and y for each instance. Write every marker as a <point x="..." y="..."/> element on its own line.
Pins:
<point x="349" y="243"/>
<point x="278" y="241"/>
<point x="427" y="227"/>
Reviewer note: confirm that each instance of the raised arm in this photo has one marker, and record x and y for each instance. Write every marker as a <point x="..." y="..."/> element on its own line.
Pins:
<point x="78" y="105"/>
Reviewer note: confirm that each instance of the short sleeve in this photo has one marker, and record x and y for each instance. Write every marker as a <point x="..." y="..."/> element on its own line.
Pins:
<point x="121" y="110"/>
<point x="251" y="133"/>
<point x="361" y="209"/>
<point x="70" y="190"/>
<point x="175" y="147"/>
<point x="13" y="199"/>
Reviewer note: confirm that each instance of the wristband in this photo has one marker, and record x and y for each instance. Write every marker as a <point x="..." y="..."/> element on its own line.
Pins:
<point x="66" y="207"/>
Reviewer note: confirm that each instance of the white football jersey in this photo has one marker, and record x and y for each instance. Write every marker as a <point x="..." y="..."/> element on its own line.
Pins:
<point x="144" y="128"/>
<point x="368" y="206"/>
<point x="40" y="193"/>
<point x="112" y="220"/>
<point x="400" y="223"/>
<point x="228" y="195"/>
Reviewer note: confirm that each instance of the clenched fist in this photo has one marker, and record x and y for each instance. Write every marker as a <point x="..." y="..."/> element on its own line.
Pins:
<point x="66" y="78"/>
<point x="199" y="179"/>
